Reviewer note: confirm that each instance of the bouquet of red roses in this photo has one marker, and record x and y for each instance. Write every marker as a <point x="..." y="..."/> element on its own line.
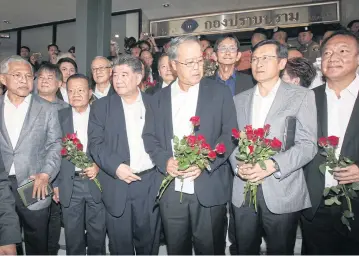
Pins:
<point x="334" y="193"/>
<point x="189" y="151"/>
<point x="254" y="147"/>
<point x="72" y="149"/>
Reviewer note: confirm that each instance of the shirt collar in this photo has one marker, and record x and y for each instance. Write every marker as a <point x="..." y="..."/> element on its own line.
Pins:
<point x="177" y="88"/>
<point x="97" y="91"/>
<point x="26" y="100"/>
<point x="83" y="113"/>
<point x="138" y="99"/>
<point x="233" y="76"/>
<point x="353" y="87"/>
<point x="273" y="92"/>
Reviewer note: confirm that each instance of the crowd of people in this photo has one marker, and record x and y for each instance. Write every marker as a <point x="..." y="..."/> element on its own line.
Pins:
<point x="125" y="118"/>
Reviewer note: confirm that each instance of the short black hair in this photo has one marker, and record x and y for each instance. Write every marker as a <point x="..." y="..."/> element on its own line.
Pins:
<point x="160" y="58"/>
<point x="69" y="60"/>
<point x="72" y="48"/>
<point x="302" y="68"/>
<point x="341" y="33"/>
<point x="282" y="50"/>
<point x="49" y="67"/>
<point x="25" y="47"/>
<point x="142" y="51"/>
<point x="79" y="76"/>
<point x="261" y="31"/>
<point x="221" y="39"/>
<point x="282" y="30"/>
<point x="50" y="45"/>
<point x="350" y="24"/>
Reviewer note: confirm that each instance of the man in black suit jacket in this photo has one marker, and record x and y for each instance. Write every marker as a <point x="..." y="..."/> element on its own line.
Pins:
<point x="227" y="54"/>
<point x="74" y="188"/>
<point x="130" y="182"/>
<point x="200" y="218"/>
<point x="337" y="111"/>
<point x="10" y="234"/>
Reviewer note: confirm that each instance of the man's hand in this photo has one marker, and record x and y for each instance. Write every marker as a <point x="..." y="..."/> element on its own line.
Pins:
<point x="9" y="249"/>
<point x="56" y="196"/>
<point x="172" y="167"/>
<point x="40" y="185"/>
<point x="256" y="173"/>
<point x="124" y="172"/>
<point x="347" y="175"/>
<point x="243" y="169"/>
<point x="91" y="172"/>
<point x="192" y="172"/>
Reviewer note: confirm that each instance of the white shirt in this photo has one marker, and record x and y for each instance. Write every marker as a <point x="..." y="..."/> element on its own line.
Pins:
<point x="261" y="105"/>
<point x="339" y="113"/>
<point x="65" y="96"/>
<point x="164" y="84"/>
<point x="14" y="118"/>
<point x="99" y="94"/>
<point x="135" y="120"/>
<point x="80" y="121"/>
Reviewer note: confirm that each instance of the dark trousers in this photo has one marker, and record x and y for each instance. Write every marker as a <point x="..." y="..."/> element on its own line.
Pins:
<point x="137" y="230"/>
<point x="279" y="230"/>
<point x="84" y="214"/>
<point x="34" y="223"/>
<point x="54" y="228"/>
<point x="232" y="232"/>
<point x="189" y="223"/>
<point x="326" y="235"/>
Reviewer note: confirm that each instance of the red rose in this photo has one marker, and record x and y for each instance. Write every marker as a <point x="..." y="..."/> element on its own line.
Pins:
<point x="251" y="149"/>
<point x="201" y="138"/>
<point x="76" y="141"/>
<point x="64" y="139"/>
<point x="191" y="140"/>
<point x="333" y="141"/>
<point x="267" y="142"/>
<point x="323" y="142"/>
<point x="63" y="152"/>
<point x="276" y="144"/>
<point x="248" y="129"/>
<point x="195" y="120"/>
<point x="71" y="136"/>
<point x="250" y="136"/>
<point x="220" y="148"/>
<point x="266" y="128"/>
<point x="235" y="133"/>
<point x="79" y="147"/>
<point x="212" y="155"/>
<point x="205" y="145"/>
<point x="259" y="133"/>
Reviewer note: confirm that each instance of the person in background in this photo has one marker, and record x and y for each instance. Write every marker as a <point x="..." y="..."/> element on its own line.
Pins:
<point x="208" y="53"/>
<point x="114" y="50"/>
<point x="101" y="70"/>
<point x="34" y="61"/>
<point x="147" y="58"/>
<point x="299" y="71"/>
<point x="294" y="53"/>
<point x="68" y="67"/>
<point x="259" y="34"/>
<point x="25" y="52"/>
<point x="65" y="55"/>
<point x="309" y="48"/>
<point x="280" y="35"/>
<point x="353" y="26"/>
<point x="52" y="50"/>
<point x="136" y="50"/>
<point x="205" y="43"/>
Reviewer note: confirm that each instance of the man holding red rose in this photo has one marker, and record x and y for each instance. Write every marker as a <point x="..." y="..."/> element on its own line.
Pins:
<point x="337" y="110"/>
<point x="198" y="221"/>
<point x="287" y="111"/>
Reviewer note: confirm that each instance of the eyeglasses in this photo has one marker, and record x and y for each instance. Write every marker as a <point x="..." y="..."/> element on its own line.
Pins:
<point x="18" y="77"/>
<point x="227" y="49"/>
<point x="264" y="59"/>
<point x="101" y="69"/>
<point x="191" y="63"/>
<point x="49" y="78"/>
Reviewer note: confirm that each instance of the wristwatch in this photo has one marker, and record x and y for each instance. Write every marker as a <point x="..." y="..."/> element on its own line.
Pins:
<point x="277" y="174"/>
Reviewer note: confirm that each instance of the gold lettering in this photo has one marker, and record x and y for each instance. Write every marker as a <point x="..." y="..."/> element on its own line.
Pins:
<point x="208" y="25"/>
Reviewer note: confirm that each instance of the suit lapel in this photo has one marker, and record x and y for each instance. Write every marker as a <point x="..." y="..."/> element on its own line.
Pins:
<point x="322" y="110"/>
<point x="204" y="95"/>
<point x="68" y="123"/>
<point x="3" y="129"/>
<point x="32" y="113"/>
<point x="248" y="108"/>
<point x="353" y="125"/>
<point x="238" y="88"/>
<point x="279" y="101"/>
<point x="167" y="108"/>
<point x="59" y="94"/>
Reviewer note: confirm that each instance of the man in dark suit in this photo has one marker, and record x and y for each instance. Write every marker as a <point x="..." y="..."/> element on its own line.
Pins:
<point x="227" y="54"/>
<point x="337" y="113"/>
<point x="10" y="234"/>
<point x="129" y="181"/>
<point x="80" y="198"/>
<point x="30" y="138"/>
<point x="200" y="218"/>
<point x="101" y="69"/>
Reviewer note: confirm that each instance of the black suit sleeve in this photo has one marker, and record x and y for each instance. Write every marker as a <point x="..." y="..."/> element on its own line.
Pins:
<point x="9" y="222"/>
<point x="101" y="153"/>
<point x="229" y="121"/>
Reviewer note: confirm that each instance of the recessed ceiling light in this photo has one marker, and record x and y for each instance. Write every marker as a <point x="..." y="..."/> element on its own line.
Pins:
<point x="6" y="21"/>
<point x="117" y="35"/>
<point x="166" y="5"/>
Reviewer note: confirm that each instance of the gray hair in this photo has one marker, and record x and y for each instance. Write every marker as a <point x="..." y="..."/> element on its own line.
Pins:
<point x="4" y="65"/>
<point x="103" y="58"/>
<point x="133" y="62"/>
<point x="176" y="42"/>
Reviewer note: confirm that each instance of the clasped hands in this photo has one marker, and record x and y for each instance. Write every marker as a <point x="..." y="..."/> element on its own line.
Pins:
<point x="172" y="169"/>
<point x="255" y="173"/>
<point x="347" y="175"/>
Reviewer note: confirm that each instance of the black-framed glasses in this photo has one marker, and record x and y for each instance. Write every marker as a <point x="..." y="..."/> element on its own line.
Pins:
<point x="191" y="63"/>
<point x="101" y="69"/>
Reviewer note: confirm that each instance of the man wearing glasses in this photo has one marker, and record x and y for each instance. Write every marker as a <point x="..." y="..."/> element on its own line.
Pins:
<point x="282" y="191"/>
<point x="227" y="55"/>
<point x="101" y="72"/>
<point x="200" y="219"/>
<point x="30" y="140"/>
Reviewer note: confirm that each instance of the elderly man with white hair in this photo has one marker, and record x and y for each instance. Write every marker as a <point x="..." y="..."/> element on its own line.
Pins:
<point x="101" y="69"/>
<point x="30" y="142"/>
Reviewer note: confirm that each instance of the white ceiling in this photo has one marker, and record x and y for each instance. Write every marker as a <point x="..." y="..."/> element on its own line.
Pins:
<point x="31" y="12"/>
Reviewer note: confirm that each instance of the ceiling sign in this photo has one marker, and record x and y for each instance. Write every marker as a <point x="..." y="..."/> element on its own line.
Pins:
<point x="284" y="16"/>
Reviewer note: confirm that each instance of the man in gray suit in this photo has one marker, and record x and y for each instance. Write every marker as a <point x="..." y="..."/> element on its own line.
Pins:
<point x="30" y="140"/>
<point x="290" y="110"/>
